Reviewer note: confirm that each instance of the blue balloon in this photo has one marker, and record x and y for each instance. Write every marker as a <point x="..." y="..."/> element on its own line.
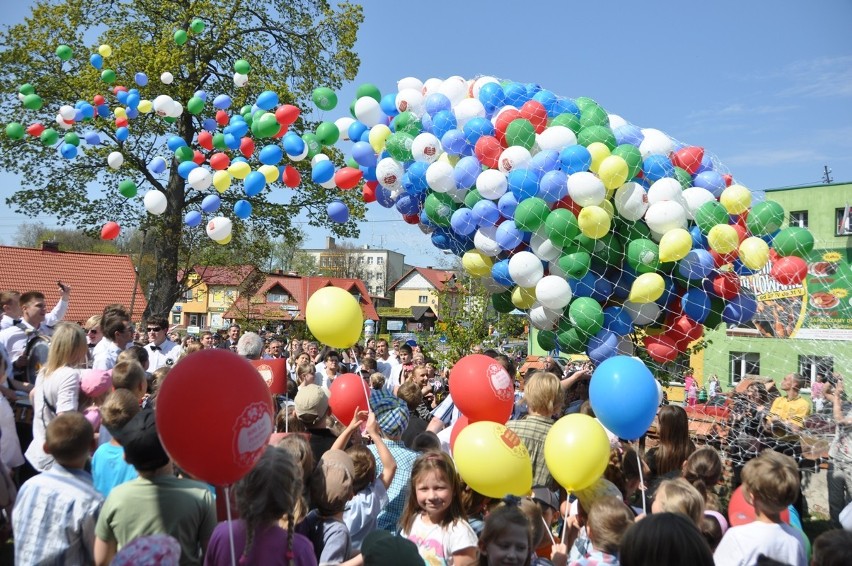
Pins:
<point x="454" y="142"/>
<point x="222" y="102"/>
<point x="407" y="205"/>
<point x="416" y="175"/>
<point x="356" y="130"/>
<point x="132" y="100"/>
<point x="695" y="304"/>
<point x="697" y="264"/>
<point x="338" y="211"/>
<point x="271" y="155"/>
<point x="175" y="142"/>
<point x="628" y="134"/>
<point x="507" y="205"/>
<point x="192" y="218"/>
<point x="267" y="100"/>
<point x="575" y="158"/>
<point x="140" y="78"/>
<point x="443" y="122"/>
<point x="68" y="151"/>
<point x="617" y="320"/>
<point x="436" y="102"/>
<point x="201" y="94"/>
<point x="132" y="113"/>
<point x="211" y="203"/>
<point x="710" y="180"/>
<point x="553" y="186"/>
<point x="92" y="138"/>
<point x="492" y="97"/>
<point x="232" y="141"/>
<point x="656" y="167"/>
<point x="544" y="162"/>
<point x="185" y="167"/>
<point x="87" y="110"/>
<point x="523" y="183"/>
<point x="383" y="197"/>
<point x="500" y="273"/>
<point x="623" y="281"/>
<point x="602" y="346"/>
<point x="440" y="239"/>
<point x="103" y="111"/>
<point x="740" y="309"/>
<point x="699" y="240"/>
<point x="254" y="183"/>
<point x="426" y="223"/>
<point x="122" y="133"/>
<point x="239" y="128"/>
<point x="549" y="100"/>
<point x="322" y="171"/>
<point x="477" y="127"/>
<point x="466" y="171"/>
<point x="388" y="105"/>
<point x="462" y="222"/>
<point x="485" y="213"/>
<point x="592" y="285"/>
<point x="566" y="106"/>
<point x="242" y="209"/>
<point x="363" y="154"/>
<point x="121" y="96"/>
<point x="96" y="61"/>
<point x="209" y="124"/>
<point x="508" y="236"/>
<point x="741" y="269"/>
<point x="293" y="143"/>
<point x="706" y="164"/>
<point x="157" y="165"/>
<point x="516" y="94"/>
<point x="624" y="396"/>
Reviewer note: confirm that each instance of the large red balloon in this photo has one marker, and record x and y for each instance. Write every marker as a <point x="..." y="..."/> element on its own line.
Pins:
<point x="35" y="130"/>
<point x="503" y="120"/>
<point x="214" y="416"/>
<point x="727" y="285"/>
<point x="535" y="112"/>
<point x="286" y="114"/>
<point x="291" y="177"/>
<point x="347" y="178"/>
<point x="741" y="513"/>
<point x="247" y="147"/>
<point x="488" y="150"/>
<point x="348" y="394"/>
<point x="205" y="140"/>
<point x="689" y="158"/>
<point x="458" y="426"/>
<point x="219" y="161"/>
<point x="368" y="193"/>
<point x="789" y="270"/>
<point x="661" y="348"/>
<point x="110" y="231"/>
<point x="482" y="389"/>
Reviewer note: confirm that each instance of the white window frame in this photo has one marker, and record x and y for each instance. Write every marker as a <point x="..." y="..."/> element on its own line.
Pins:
<point x="742" y="364"/>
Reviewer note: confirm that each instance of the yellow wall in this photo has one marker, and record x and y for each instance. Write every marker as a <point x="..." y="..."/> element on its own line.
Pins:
<point x="407" y="298"/>
<point x="199" y="296"/>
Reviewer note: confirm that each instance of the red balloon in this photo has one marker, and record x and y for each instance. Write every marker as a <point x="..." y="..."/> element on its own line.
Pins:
<point x="110" y="231"/>
<point x="35" y="130"/>
<point x="116" y="89"/>
<point x="214" y="416"/>
<point x="286" y="114"/>
<point x="458" y="426"/>
<point x="222" y="118"/>
<point x="503" y="120"/>
<point x="729" y="179"/>
<point x="368" y="193"/>
<point x="119" y="122"/>
<point x="741" y="513"/>
<point x="198" y="157"/>
<point x="219" y="161"/>
<point x="205" y="140"/>
<point x="247" y="147"/>
<point x="742" y="232"/>
<point x="291" y="177"/>
<point x="723" y="259"/>
<point x="347" y="178"/>
<point x="535" y="112"/>
<point x="726" y="285"/>
<point x="689" y="158"/>
<point x="684" y="331"/>
<point x="98" y="100"/>
<point x="281" y="131"/>
<point x="568" y="203"/>
<point x="488" y="150"/>
<point x="482" y="389"/>
<point x="661" y="348"/>
<point x="411" y="218"/>
<point x="790" y="270"/>
<point x="348" y="393"/>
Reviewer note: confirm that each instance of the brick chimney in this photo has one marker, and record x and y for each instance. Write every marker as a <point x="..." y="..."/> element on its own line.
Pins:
<point x="49" y="246"/>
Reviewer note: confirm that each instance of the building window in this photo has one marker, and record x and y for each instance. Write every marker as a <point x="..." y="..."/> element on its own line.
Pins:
<point x="423" y="299"/>
<point x="799" y="218"/>
<point x="812" y="366"/>
<point x="843" y="221"/>
<point x="370" y="260"/>
<point x="744" y="364"/>
<point x="380" y="291"/>
<point x="277" y="297"/>
<point x="380" y="261"/>
<point x="176" y="318"/>
<point x="197" y="320"/>
<point x="360" y="259"/>
<point x="370" y="289"/>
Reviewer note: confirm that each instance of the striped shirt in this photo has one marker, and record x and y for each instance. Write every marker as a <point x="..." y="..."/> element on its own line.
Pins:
<point x="54" y="518"/>
<point x="533" y="430"/>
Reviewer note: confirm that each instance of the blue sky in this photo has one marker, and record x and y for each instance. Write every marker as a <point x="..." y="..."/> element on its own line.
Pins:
<point x="764" y="86"/>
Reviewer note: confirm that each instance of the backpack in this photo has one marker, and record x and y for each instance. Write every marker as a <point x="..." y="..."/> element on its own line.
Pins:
<point x="36" y="352"/>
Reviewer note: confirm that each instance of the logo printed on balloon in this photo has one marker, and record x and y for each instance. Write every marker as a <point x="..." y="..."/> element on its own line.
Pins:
<point x="265" y="372"/>
<point x="513" y="442"/>
<point x="501" y="382"/>
<point x="252" y="431"/>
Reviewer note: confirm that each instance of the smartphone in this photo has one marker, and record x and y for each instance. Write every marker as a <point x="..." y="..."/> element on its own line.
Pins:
<point x="61" y="286"/>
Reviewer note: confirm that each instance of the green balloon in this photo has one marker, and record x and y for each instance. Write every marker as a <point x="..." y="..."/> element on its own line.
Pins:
<point x="531" y="213"/>
<point x="242" y="66"/>
<point x="630" y="230"/>
<point x="169" y="120"/>
<point x="328" y="133"/>
<point x="581" y="243"/>
<point x="408" y="123"/>
<point x="219" y="141"/>
<point x="632" y="156"/>
<point x="72" y="139"/>
<point x="439" y="208"/>
<point x="584" y="102"/>
<point x="568" y="120"/>
<point x="127" y="188"/>
<point x="64" y="52"/>
<point x="49" y="136"/>
<point x="108" y="76"/>
<point x="352" y="109"/>
<point x="26" y="89"/>
<point x="180" y="37"/>
<point x="683" y="177"/>
<point x="472" y="197"/>
<point x="593" y="115"/>
<point x="572" y="341"/>
<point x="609" y="250"/>
<point x="184" y="153"/>
<point x="586" y="315"/>
<point x="765" y="218"/>
<point x="266" y="125"/>
<point x="350" y="162"/>
<point x="195" y="105"/>
<point x="312" y="143"/>
<point x="793" y="241"/>
<point x="643" y="256"/>
<point x="546" y="340"/>
<point x="197" y="25"/>
<point x="14" y="131"/>
<point x="368" y="89"/>
<point x="503" y="302"/>
<point x="561" y="226"/>
<point x="520" y="132"/>
<point x="575" y="265"/>
<point x="324" y="98"/>
<point x="33" y="102"/>
<point x="592" y="134"/>
<point x="245" y="111"/>
<point x="398" y="145"/>
<point x="714" y="318"/>
<point x="710" y="214"/>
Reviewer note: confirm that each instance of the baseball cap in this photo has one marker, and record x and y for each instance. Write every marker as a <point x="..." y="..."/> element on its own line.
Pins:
<point x="142" y="447"/>
<point x="331" y="486"/>
<point x="382" y="548"/>
<point x="392" y="414"/>
<point x="541" y="494"/>
<point x="96" y="382"/>
<point x="311" y="404"/>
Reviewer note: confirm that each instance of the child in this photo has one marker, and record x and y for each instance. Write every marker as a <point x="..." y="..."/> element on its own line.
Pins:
<point x="108" y="466"/>
<point x="300" y="449"/>
<point x="377" y="381"/>
<point x="94" y="385"/>
<point x="507" y="538"/>
<point x="55" y="514"/>
<point x="270" y="490"/>
<point x="770" y="484"/>
<point x="679" y="496"/>
<point x="609" y="518"/>
<point x="433" y="518"/>
<point x="666" y="539"/>
<point x="703" y="469"/>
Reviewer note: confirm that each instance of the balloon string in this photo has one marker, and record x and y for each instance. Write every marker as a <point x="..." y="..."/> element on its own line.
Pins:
<point x="641" y="480"/>
<point x="230" y="524"/>
<point x="549" y="530"/>
<point x="565" y="521"/>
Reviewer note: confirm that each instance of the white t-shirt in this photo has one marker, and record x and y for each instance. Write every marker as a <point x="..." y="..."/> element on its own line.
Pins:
<point x="741" y="545"/>
<point x="437" y="544"/>
<point x="62" y="390"/>
<point x="362" y="512"/>
<point x="385" y="367"/>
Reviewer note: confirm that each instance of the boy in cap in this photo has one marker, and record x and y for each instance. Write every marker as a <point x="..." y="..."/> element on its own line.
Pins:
<point x="55" y="513"/>
<point x="312" y="410"/>
<point x="156" y="502"/>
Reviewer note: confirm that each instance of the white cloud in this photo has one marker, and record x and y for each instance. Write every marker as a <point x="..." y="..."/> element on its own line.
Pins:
<point x="821" y="77"/>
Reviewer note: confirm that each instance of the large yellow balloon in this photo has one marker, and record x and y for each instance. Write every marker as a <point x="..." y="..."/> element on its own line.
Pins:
<point x="476" y="263"/>
<point x="613" y="172"/>
<point x="647" y="288"/>
<point x="576" y="451"/>
<point x="145" y="106"/>
<point x="723" y="238"/>
<point x="120" y="112"/>
<point x="378" y="136"/>
<point x="269" y="172"/>
<point x="675" y="244"/>
<point x="594" y="222"/>
<point x="599" y="152"/>
<point x="754" y="253"/>
<point x="105" y="50"/>
<point x="221" y="180"/>
<point x="523" y="298"/>
<point x="334" y="317"/>
<point x="239" y="170"/>
<point x="493" y="460"/>
<point x="736" y="199"/>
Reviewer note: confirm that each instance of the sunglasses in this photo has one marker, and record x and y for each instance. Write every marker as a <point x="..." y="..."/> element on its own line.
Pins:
<point x="154" y="329"/>
<point x="92" y="331"/>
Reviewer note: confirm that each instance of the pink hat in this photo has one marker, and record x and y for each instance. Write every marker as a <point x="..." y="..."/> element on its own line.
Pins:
<point x="96" y="382"/>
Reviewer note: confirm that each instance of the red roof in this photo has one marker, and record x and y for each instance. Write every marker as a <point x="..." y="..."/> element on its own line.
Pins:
<point x="300" y="290"/>
<point x="230" y="276"/>
<point x="96" y="280"/>
<point x="436" y="277"/>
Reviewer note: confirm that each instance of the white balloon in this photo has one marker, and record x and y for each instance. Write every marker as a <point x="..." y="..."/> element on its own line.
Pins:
<point x="616" y="121"/>
<point x="317" y="158"/>
<point x="655" y="143"/>
<point x="200" y="179"/>
<point x="586" y="189"/>
<point x="155" y="202"/>
<point x="468" y="109"/>
<point x="167" y="78"/>
<point x="541" y="246"/>
<point x="163" y="105"/>
<point x="485" y="240"/>
<point x="431" y="86"/>
<point x="556" y="138"/>
<point x="330" y="184"/>
<point x="542" y="317"/>
<point x="389" y="173"/>
<point x="514" y="157"/>
<point x="695" y="197"/>
<point x="343" y="126"/>
<point x="240" y="80"/>
<point x="454" y="88"/>
<point x="642" y="314"/>
<point x="368" y="111"/>
<point x="491" y="184"/>
<point x="631" y="201"/>
<point x="410" y="100"/>
<point x="176" y="109"/>
<point x="219" y="228"/>
<point x="67" y="112"/>
<point x="666" y="189"/>
<point x="115" y="159"/>
<point x="64" y="124"/>
<point x="409" y="82"/>
<point x="525" y="269"/>
<point x="439" y="175"/>
<point x="553" y="292"/>
<point x="664" y="216"/>
<point x="426" y="147"/>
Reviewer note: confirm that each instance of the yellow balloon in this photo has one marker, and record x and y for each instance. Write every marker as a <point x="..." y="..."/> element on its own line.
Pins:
<point x="594" y="222"/>
<point x="523" y="298"/>
<point x="378" y="136"/>
<point x="675" y="244"/>
<point x="608" y="208"/>
<point x="723" y="238"/>
<point x="599" y="152"/>
<point x="145" y="106"/>
<point x="451" y="159"/>
<point x="334" y="317"/>
<point x="221" y="180"/>
<point x="483" y="447"/>
<point x="120" y="112"/>
<point x="105" y="50"/>
<point x="576" y="451"/>
<point x="736" y="199"/>
<point x="613" y="172"/>
<point x="647" y="288"/>
<point x="477" y="264"/>
<point x="270" y="172"/>
<point x="754" y="253"/>
<point x="226" y="240"/>
<point x="239" y="170"/>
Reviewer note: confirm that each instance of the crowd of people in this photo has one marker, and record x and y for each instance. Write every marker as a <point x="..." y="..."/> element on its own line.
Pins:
<point x="84" y="477"/>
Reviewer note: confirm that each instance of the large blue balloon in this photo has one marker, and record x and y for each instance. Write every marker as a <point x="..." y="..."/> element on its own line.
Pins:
<point x="628" y="134"/>
<point x="466" y="171"/>
<point x="454" y="142"/>
<point x="544" y="161"/>
<point x="523" y="183"/>
<point x="695" y="304"/>
<point x="617" y="320"/>
<point x="477" y="127"/>
<point x="388" y="105"/>
<point x="491" y="96"/>
<point x="507" y="205"/>
<point x="185" y="167"/>
<point x="408" y="205"/>
<point x="500" y="273"/>
<point x="271" y="155"/>
<point x="322" y="171"/>
<point x="222" y="102"/>
<point x="363" y="154"/>
<point x="575" y="158"/>
<point x="508" y="235"/>
<point x="338" y="211"/>
<point x="192" y="218"/>
<point x="356" y="130"/>
<point x="437" y="102"/>
<point x="697" y="264"/>
<point x="97" y="61"/>
<point x="740" y="309"/>
<point x="516" y="94"/>
<point x="254" y="183"/>
<point x="485" y="213"/>
<point x="443" y="122"/>
<point x="462" y="222"/>
<point x="710" y="180"/>
<point x="624" y="396"/>
<point x="267" y="100"/>
<point x="656" y="167"/>
<point x="553" y="186"/>
<point x="242" y="209"/>
<point x="211" y="203"/>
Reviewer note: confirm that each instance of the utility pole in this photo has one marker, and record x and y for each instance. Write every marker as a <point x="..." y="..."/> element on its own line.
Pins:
<point x="826" y="175"/>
